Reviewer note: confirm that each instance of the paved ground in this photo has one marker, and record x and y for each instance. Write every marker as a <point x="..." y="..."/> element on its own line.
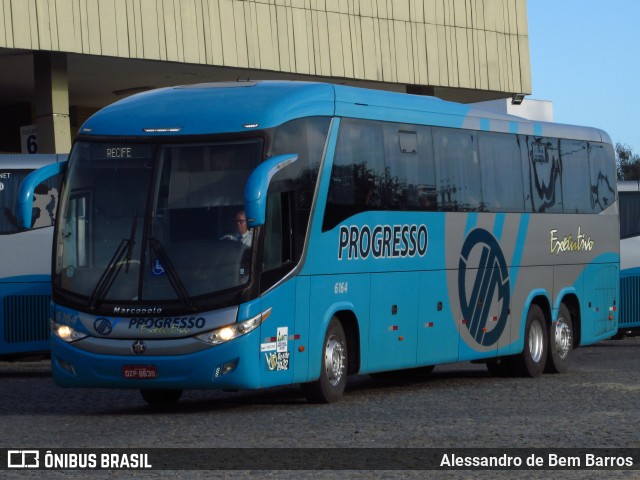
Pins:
<point x="595" y="405"/>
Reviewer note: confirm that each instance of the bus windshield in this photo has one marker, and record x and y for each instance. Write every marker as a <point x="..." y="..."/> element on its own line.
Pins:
<point x="149" y="222"/>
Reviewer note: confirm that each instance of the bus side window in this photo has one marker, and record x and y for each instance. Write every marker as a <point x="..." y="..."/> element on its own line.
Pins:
<point x="358" y="182"/>
<point x="502" y="172"/>
<point x="409" y="167"/>
<point x="603" y="176"/>
<point x="543" y="174"/>
<point x="278" y="251"/>
<point x="629" y="204"/>
<point x="307" y="138"/>
<point x="458" y="173"/>
<point x="575" y="177"/>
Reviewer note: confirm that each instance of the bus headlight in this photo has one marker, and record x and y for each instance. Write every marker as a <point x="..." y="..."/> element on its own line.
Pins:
<point x="235" y="330"/>
<point x="66" y="333"/>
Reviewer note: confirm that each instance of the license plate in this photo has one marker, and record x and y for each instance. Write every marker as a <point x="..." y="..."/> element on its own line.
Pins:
<point x="140" y="372"/>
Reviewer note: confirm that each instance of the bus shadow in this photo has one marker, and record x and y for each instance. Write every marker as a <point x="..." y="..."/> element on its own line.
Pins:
<point x="630" y="342"/>
<point x="202" y="401"/>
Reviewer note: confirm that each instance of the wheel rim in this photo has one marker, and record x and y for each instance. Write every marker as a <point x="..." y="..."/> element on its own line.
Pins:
<point x="334" y="360"/>
<point x="536" y="341"/>
<point x="563" y="338"/>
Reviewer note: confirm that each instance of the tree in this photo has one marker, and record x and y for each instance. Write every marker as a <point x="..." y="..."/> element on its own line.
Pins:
<point x="627" y="163"/>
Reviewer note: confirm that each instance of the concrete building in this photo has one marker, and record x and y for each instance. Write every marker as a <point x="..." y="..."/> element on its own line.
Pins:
<point x="61" y="60"/>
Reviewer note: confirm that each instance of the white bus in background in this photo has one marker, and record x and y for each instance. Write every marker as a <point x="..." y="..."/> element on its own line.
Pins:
<point x="25" y="274"/>
<point x="629" y="206"/>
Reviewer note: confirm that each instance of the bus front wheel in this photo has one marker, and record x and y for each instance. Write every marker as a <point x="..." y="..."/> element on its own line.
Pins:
<point x="333" y="372"/>
<point x="532" y="360"/>
<point x="560" y="342"/>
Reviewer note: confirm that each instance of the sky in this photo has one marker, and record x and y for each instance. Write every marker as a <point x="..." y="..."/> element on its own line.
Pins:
<point x="585" y="58"/>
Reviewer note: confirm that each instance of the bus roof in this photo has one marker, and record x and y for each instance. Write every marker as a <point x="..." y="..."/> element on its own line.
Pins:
<point x="211" y="108"/>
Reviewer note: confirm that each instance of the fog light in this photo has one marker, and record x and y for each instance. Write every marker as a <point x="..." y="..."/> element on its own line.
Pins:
<point x="67" y="367"/>
<point x="229" y="367"/>
<point x="226" y="368"/>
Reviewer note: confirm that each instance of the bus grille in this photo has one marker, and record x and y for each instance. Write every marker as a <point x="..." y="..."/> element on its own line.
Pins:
<point x="26" y="318"/>
<point x="629" y="301"/>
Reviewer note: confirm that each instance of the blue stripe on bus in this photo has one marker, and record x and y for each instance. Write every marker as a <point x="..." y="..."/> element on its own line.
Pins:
<point x="472" y="220"/>
<point x="518" y="251"/>
<point x="498" y="226"/>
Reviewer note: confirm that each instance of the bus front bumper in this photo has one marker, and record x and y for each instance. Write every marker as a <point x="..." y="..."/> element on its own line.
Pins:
<point x="231" y="365"/>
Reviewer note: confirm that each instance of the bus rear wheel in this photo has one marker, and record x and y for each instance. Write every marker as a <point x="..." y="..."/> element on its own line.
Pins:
<point x="532" y="360"/>
<point x="560" y="342"/>
<point x="333" y="367"/>
<point x="161" y="397"/>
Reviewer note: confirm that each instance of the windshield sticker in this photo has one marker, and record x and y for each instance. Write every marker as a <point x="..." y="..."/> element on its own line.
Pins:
<point x="568" y="244"/>
<point x="157" y="269"/>
<point x="382" y="241"/>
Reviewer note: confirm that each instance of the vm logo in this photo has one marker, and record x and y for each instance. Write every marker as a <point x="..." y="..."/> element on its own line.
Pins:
<point x="23" y="459"/>
<point x="483" y="262"/>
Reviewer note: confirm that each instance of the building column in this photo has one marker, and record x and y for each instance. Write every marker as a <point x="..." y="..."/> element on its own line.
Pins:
<point x="52" y="102"/>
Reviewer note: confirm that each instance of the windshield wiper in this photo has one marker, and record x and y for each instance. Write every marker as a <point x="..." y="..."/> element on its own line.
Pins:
<point x="161" y="254"/>
<point x="114" y="266"/>
<point x="132" y="242"/>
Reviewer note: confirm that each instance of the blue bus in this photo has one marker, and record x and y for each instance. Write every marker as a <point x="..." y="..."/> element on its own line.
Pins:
<point x="629" y="205"/>
<point x="25" y="275"/>
<point x="254" y="234"/>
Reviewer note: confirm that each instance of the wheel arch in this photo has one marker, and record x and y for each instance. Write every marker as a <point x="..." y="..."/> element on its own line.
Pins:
<point x="351" y="329"/>
<point x="570" y="299"/>
<point x="345" y="313"/>
<point x="540" y="298"/>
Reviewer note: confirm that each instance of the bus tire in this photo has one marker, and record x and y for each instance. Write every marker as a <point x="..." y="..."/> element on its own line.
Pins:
<point x="532" y="360"/>
<point x="560" y="342"/>
<point x="161" y="397"/>
<point x="333" y="367"/>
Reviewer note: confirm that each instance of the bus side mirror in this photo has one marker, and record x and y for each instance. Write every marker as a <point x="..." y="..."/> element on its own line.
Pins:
<point x="255" y="191"/>
<point x="24" y="206"/>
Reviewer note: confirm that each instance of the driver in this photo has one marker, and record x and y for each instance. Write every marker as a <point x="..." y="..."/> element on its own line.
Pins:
<point x="243" y="233"/>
